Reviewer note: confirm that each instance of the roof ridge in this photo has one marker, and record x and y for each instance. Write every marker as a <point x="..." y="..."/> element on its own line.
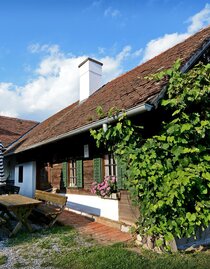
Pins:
<point x="15" y="118"/>
<point x="159" y="55"/>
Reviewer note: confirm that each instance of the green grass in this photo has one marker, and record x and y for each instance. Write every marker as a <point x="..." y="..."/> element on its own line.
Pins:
<point x="62" y="247"/>
<point x="19" y="265"/>
<point x="3" y="259"/>
<point x="100" y="257"/>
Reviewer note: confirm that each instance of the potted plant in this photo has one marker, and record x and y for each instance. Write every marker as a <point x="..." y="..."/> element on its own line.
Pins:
<point x="107" y="188"/>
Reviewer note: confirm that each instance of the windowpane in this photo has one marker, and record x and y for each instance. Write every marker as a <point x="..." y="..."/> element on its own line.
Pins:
<point x="20" y="174"/>
<point x="110" y="165"/>
<point x="72" y="173"/>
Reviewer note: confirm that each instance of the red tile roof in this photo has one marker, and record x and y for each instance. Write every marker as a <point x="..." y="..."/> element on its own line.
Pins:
<point x="124" y="92"/>
<point x="12" y="129"/>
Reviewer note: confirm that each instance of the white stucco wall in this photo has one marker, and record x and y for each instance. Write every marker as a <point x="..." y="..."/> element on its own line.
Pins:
<point x="94" y="205"/>
<point x="28" y="186"/>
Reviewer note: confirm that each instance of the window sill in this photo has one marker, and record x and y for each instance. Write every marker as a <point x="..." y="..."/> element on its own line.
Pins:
<point x="72" y="186"/>
<point x="113" y="196"/>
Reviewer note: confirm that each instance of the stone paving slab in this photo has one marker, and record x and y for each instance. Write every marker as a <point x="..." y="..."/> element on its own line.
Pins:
<point x="100" y="232"/>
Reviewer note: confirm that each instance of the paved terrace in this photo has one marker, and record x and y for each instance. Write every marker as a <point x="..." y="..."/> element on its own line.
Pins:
<point x="102" y="233"/>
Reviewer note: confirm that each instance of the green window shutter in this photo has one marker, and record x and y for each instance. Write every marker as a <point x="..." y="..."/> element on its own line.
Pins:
<point x="97" y="172"/>
<point x="79" y="173"/>
<point x="121" y="170"/>
<point x="65" y="174"/>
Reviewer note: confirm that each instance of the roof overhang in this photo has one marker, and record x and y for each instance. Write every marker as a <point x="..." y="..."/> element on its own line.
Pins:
<point x="129" y="112"/>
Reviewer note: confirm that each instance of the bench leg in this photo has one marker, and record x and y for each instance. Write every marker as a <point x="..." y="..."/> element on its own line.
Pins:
<point x="16" y="229"/>
<point x="53" y="221"/>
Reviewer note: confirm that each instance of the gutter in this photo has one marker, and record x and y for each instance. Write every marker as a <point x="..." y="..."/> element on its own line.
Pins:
<point x="130" y="112"/>
<point x="195" y="57"/>
<point x="184" y="69"/>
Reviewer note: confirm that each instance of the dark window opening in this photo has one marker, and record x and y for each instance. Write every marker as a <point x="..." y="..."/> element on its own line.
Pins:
<point x="20" y="174"/>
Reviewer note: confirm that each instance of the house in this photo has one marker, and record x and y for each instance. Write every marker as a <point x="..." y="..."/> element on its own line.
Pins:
<point x="12" y="129"/>
<point x="60" y="154"/>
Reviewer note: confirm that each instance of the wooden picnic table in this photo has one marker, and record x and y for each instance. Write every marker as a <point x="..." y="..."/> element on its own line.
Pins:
<point x="21" y="207"/>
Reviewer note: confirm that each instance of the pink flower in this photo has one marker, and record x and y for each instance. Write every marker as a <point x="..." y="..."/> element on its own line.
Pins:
<point x="106" y="187"/>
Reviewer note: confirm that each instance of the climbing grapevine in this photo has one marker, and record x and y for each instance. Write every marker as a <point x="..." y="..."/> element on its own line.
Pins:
<point x="168" y="174"/>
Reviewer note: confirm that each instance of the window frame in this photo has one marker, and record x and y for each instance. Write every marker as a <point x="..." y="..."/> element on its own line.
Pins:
<point x="110" y="165"/>
<point x="72" y="174"/>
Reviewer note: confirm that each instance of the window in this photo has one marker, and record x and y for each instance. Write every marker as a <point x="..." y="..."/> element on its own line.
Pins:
<point x="20" y="174"/>
<point x="72" y="174"/>
<point x="110" y="165"/>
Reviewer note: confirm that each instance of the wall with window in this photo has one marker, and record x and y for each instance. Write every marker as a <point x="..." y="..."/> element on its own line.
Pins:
<point x="25" y="178"/>
<point x="75" y="177"/>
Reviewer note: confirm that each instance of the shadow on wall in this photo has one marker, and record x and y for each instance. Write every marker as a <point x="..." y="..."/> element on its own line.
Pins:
<point x="84" y="208"/>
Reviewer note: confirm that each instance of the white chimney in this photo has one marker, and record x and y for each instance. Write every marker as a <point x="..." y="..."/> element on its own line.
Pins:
<point x="90" y="77"/>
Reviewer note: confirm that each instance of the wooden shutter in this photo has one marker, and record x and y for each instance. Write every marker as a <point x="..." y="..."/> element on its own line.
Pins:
<point x="97" y="166"/>
<point x="121" y="170"/>
<point x="65" y="174"/>
<point x="79" y="173"/>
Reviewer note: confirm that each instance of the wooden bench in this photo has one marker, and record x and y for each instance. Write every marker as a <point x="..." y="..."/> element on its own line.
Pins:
<point x="9" y="189"/>
<point x="51" y="207"/>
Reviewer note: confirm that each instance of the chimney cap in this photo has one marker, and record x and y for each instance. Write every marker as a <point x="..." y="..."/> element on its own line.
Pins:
<point x="90" y="59"/>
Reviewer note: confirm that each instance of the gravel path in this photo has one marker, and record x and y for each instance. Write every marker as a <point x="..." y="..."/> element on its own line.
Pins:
<point x="19" y="256"/>
<point x="35" y="252"/>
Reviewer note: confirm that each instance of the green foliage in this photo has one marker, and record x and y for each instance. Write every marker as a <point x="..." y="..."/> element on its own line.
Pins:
<point x="168" y="174"/>
<point x="3" y="259"/>
<point x="99" y="111"/>
<point x="122" y="131"/>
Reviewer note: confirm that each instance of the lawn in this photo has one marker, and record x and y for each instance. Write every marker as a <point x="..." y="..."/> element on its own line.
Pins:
<point x="63" y="247"/>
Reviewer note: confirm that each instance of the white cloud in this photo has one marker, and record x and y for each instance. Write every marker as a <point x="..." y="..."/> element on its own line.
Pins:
<point x="113" y="66"/>
<point x="137" y="53"/>
<point x="101" y="50"/>
<point x="56" y="84"/>
<point x="199" y="20"/>
<point x="37" y="48"/>
<point x="96" y="3"/>
<point x="156" y="46"/>
<point x="111" y="12"/>
<point x="56" y="79"/>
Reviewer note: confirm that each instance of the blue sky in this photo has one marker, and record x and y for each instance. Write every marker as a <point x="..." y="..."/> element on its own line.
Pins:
<point x="42" y="42"/>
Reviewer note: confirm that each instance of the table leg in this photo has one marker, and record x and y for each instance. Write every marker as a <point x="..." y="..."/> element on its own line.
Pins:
<point x="22" y="214"/>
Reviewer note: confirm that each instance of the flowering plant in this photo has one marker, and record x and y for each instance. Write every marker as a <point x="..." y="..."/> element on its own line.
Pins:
<point x="106" y="187"/>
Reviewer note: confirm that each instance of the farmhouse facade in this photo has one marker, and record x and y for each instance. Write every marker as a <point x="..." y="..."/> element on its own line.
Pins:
<point x="12" y="129"/>
<point x="59" y="153"/>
